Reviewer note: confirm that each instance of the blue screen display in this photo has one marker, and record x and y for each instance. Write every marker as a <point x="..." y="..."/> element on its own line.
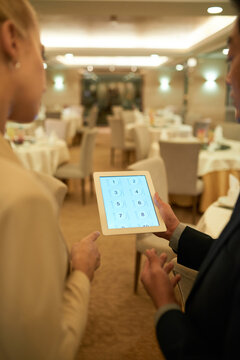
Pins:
<point x="127" y="201"/>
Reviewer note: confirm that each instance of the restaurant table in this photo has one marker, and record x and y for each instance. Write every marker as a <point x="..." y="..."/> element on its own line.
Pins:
<point x="214" y="168"/>
<point x="43" y="156"/>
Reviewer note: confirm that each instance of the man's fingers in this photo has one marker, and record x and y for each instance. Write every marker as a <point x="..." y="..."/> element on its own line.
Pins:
<point x="154" y="259"/>
<point x="175" y="280"/>
<point x="93" y="236"/>
<point x="168" y="267"/>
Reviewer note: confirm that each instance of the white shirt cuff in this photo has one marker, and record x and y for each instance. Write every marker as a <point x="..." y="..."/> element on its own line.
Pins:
<point x="163" y="309"/>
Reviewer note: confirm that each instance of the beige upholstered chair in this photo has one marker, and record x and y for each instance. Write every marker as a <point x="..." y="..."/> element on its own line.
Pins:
<point x="83" y="168"/>
<point x="118" y="141"/>
<point x="157" y="170"/>
<point x="59" y="127"/>
<point x="91" y="119"/>
<point x="142" y="141"/>
<point x="231" y="131"/>
<point x="181" y="161"/>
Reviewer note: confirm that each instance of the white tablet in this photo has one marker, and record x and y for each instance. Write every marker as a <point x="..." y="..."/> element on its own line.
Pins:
<point x="125" y="203"/>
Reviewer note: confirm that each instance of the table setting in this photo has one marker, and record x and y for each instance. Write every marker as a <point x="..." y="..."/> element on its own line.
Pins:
<point x="39" y="152"/>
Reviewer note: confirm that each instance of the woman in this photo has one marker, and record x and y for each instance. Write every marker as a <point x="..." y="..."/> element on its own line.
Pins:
<point x="43" y="307"/>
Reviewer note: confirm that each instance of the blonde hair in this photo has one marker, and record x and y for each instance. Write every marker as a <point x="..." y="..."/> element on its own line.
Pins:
<point x="21" y="13"/>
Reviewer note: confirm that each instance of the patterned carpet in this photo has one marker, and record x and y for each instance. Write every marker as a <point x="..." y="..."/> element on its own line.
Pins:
<point x="120" y="324"/>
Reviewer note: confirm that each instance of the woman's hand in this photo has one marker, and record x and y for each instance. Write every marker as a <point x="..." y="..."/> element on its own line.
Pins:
<point x="169" y="218"/>
<point x="156" y="280"/>
<point x="85" y="255"/>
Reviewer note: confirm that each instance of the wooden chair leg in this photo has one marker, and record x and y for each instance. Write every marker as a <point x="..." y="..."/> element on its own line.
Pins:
<point x="137" y="270"/>
<point x="91" y="184"/>
<point x="194" y="211"/>
<point x="123" y="158"/>
<point x="83" y="191"/>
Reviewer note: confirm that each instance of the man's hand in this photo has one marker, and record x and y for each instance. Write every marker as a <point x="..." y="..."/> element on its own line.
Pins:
<point x="169" y="218"/>
<point x="85" y="255"/>
<point x="156" y="280"/>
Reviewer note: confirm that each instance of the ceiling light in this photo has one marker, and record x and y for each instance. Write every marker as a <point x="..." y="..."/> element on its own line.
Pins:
<point x="225" y="51"/>
<point x="214" y="10"/>
<point x="89" y="68"/>
<point x="45" y="66"/>
<point x="68" y="56"/>
<point x="179" y="67"/>
<point x="133" y="68"/>
<point x="192" y="62"/>
<point x="113" y="20"/>
<point x="123" y="61"/>
<point x="112" y="68"/>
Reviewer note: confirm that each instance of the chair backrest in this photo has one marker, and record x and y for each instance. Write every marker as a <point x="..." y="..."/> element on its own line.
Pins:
<point x="117" y="132"/>
<point x="142" y="141"/>
<point x="117" y="110"/>
<point x="181" y="161"/>
<point x="92" y="117"/>
<point x="231" y="131"/>
<point x="59" y="127"/>
<point x="128" y="116"/>
<point x="86" y="151"/>
<point x="156" y="168"/>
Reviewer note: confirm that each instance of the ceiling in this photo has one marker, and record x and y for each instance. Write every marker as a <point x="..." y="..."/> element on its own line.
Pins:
<point x="174" y="29"/>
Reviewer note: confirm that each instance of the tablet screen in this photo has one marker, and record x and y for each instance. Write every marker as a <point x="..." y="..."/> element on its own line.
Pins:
<point x="128" y="202"/>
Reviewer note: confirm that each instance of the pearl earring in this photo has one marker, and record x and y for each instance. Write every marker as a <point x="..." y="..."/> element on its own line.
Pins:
<point x="17" y="65"/>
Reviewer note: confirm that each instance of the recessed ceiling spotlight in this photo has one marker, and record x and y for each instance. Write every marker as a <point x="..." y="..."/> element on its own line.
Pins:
<point x="134" y="68"/>
<point x="112" y="68"/>
<point x="68" y="56"/>
<point x="179" y="67"/>
<point x="89" y="68"/>
<point x="192" y="62"/>
<point x="154" y="56"/>
<point x="113" y="20"/>
<point x="214" y="10"/>
<point x="225" y="51"/>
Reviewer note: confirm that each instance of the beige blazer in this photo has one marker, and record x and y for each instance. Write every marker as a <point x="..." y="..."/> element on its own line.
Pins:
<point x="43" y="311"/>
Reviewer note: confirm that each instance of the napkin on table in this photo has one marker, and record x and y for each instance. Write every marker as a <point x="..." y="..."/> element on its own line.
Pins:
<point x="218" y="134"/>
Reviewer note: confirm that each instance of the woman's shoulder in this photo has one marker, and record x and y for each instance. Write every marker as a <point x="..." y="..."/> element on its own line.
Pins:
<point x="18" y="184"/>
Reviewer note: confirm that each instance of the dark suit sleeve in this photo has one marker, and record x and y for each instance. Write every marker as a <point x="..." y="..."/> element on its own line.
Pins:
<point x="178" y="338"/>
<point x="193" y="246"/>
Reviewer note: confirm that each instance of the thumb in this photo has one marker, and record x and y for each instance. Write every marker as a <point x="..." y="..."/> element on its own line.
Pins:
<point x="158" y="201"/>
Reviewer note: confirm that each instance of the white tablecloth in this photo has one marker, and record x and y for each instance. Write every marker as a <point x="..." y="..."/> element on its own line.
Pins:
<point x="42" y="156"/>
<point x="219" y="160"/>
<point x="170" y="132"/>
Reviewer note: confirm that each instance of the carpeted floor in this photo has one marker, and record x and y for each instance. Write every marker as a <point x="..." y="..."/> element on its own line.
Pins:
<point x="120" y="324"/>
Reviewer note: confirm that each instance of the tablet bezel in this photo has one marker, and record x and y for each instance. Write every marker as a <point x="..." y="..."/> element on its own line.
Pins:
<point x="101" y="209"/>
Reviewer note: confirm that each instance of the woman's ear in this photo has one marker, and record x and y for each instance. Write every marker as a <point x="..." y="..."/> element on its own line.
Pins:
<point x="9" y="38"/>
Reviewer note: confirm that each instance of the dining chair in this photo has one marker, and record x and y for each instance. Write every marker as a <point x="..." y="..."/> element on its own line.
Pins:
<point x="58" y="127"/>
<point x="142" y="141"/>
<point x="156" y="168"/>
<point x="118" y="140"/>
<point x="231" y="131"/>
<point x="91" y="120"/>
<point x="181" y="161"/>
<point x="83" y="168"/>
